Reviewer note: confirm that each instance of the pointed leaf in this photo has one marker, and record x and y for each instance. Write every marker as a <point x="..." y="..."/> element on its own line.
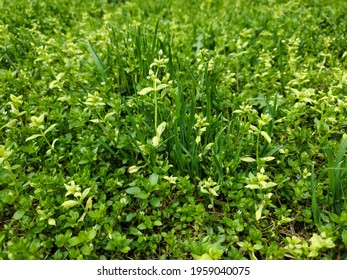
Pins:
<point x="213" y="192"/>
<point x="99" y="65"/>
<point x="50" y="128"/>
<point x="133" y="169"/>
<point x="146" y="90"/>
<point x="33" y="137"/>
<point x="252" y="186"/>
<point x="51" y="222"/>
<point x="258" y="213"/>
<point x="85" y="193"/>
<point x="155" y="141"/>
<point x="267" y="158"/>
<point x="266" y="136"/>
<point x="95" y="121"/>
<point x="248" y="159"/>
<point x="70" y="203"/>
<point x="269" y="185"/>
<point x="162" y="86"/>
<point x="161" y="128"/>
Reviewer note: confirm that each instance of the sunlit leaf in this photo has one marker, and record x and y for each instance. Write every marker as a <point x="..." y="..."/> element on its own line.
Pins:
<point x="146" y="90"/>
<point x="133" y="169"/>
<point x="248" y="159"/>
<point x="70" y="203"/>
<point x="162" y="86"/>
<point x="33" y="137"/>
<point x="161" y="128"/>
<point x="50" y="128"/>
<point x="266" y="136"/>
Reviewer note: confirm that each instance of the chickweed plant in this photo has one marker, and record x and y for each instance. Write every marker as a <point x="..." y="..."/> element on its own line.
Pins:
<point x="173" y="129"/>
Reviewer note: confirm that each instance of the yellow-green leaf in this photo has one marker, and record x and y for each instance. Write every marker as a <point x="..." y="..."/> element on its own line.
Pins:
<point x="248" y="159"/>
<point x="146" y="90"/>
<point x="50" y="128"/>
<point x="85" y="193"/>
<point x="162" y="86"/>
<point x="266" y="136"/>
<point x="33" y="137"/>
<point x="161" y="128"/>
<point x="133" y="169"/>
<point x="70" y="203"/>
<point x="258" y="212"/>
<point x="51" y="222"/>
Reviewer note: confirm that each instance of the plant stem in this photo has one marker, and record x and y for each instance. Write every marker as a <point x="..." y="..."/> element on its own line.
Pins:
<point x="44" y="136"/>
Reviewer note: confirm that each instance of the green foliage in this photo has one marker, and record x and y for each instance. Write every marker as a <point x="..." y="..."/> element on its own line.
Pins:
<point x="143" y="130"/>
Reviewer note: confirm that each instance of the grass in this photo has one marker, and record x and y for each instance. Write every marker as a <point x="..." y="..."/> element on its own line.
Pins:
<point x="134" y="130"/>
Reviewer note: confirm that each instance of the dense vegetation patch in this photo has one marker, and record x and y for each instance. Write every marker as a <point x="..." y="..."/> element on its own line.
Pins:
<point x="173" y="129"/>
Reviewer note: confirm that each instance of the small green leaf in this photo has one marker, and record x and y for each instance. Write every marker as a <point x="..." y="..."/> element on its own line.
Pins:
<point x="269" y="185"/>
<point x="141" y="226"/>
<point x="267" y="158"/>
<point x="50" y="128"/>
<point x="252" y="186"/>
<point x="162" y="86"/>
<point x="54" y="141"/>
<point x="91" y="234"/>
<point x="73" y="241"/>
<point x="134" y="231"/>
<point x="33" y="137"/>
<point x="85" y="193"/>
<point x="146" y="90"/>
<point x="258" y="213"/>
<point x="161" y="128"/>
<point x="257" y="246"/>
<point x="153" y="179"/>
<point x="9" y="124"/>
<point x="155" y="141"/>
<point x="51" y="222"/>
<point x="95" y="121"/>
<point x="266" y="136"/>
<point x="18" y="214"/>
<point x="129" y="217"/>
<point x="70" y="203"/>
<point x="213" y="192"/>
<point x="133" y="169"/>
<point x="248" y="159"/>
<point x="344" y="236"/>
<point x="133" y="190"/>
<point x="86" y="250"/>
<point x="142" y="195"/>
<point x="155" y="202"/>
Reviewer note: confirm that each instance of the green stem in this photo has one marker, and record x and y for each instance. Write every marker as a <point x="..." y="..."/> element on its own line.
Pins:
<point x="155" y="111"/>
<point x="156" y="105"/>
<point x="44" y="136"/>
<point x="257" y="148"/>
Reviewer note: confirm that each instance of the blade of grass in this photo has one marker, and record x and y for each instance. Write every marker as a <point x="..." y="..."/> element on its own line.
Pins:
<point x="314" y="206"/>
<point x="99" y="65"/>
<point x="337" y="176"/>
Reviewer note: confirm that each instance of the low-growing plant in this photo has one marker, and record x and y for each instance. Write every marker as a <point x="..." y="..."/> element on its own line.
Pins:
<point x="131" y="130"/>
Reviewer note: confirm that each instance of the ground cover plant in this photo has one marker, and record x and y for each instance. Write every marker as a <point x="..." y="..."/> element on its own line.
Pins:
<point x="173" y="129"/>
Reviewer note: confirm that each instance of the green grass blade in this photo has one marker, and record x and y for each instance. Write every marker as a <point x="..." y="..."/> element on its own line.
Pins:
<point x="99" y="65"/>
<point x="314" y="206"/>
